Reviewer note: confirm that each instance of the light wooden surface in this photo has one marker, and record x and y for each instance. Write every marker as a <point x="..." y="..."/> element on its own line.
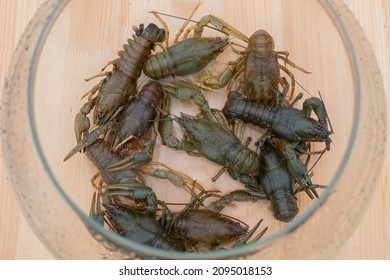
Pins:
<point x="371" y="240"/>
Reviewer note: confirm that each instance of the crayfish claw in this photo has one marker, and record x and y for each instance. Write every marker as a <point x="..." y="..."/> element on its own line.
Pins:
<point x="81" y="126"/>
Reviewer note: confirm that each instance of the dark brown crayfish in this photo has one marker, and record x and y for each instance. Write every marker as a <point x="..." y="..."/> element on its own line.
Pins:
<point x="203" y="228"/>
<point x="284" y="122"/>
<point x="136" y="226"/>
<point x="274" y="183"/>
<point x="258" y="62"/>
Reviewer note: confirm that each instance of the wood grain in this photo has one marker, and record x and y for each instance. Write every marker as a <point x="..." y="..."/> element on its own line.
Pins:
<point x="371" y="240"/>
<point x="17" y="241"/>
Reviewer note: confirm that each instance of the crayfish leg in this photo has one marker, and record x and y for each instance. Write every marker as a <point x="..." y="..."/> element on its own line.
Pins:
<point x="239" y="195"/>
<point x="177" y="178"/>
<point x="218" y="24"/>
<point x="284" y="56"/>
<point x="95" y="211"/>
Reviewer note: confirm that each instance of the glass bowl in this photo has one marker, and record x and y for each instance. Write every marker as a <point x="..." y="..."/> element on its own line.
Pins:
<point x="68" y="41"/>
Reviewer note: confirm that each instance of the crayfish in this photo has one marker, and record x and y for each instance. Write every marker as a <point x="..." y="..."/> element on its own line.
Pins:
<point x="120" y="84"/>
<point x="287" y="123"/>
<point x="259" y="63"/>
<point x="213" y="140"/>
<point x="136" y="226"/>
<point x="274" y="183"/>
<point x="183" y="57"/>
<point x="203" y="228"/>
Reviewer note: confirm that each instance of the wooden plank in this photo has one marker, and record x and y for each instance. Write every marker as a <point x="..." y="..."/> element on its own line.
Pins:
<point x="369" y="241"/>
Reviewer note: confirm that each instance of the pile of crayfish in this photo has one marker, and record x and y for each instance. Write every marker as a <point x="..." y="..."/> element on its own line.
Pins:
<point x="128" y="118"/>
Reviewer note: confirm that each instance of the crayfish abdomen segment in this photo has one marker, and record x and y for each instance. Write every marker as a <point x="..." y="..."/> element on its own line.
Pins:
<point x="159" y="66"/>
<point x="284" y="205"/>
<point x="242" y="159"/>
<point x="251" y="112"/>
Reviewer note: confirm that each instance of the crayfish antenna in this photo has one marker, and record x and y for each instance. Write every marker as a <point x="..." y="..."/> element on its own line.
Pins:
<point x="327" y="116"/>
<point x="245" y="239"/>
<point x="260" y="235"/>
<point x="76" y="149"/>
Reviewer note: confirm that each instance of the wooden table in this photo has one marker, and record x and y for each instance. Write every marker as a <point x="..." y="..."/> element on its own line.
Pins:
<point x="371" y="240"/>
